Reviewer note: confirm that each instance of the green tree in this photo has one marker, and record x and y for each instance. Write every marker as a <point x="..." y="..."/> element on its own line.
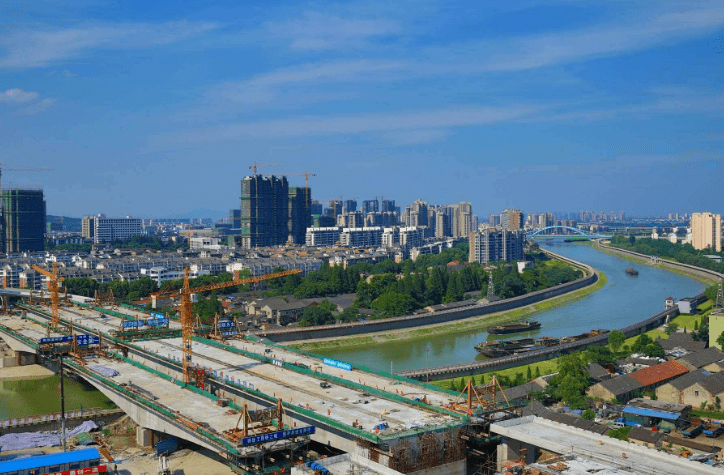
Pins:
<point x="600" y="354"/>
<point x="588" y="414"/>
<point x="671" y="328"/>
<point x="616" y="339"/>
<point x="316" y="315"/>
<point x="393" y="304"/>
<point x="654" y="349"/>
<point x="720" y="340"/>
<point x="571" y="381"/>
<point x="528" y="374"/>
<point x="641" y="342"/>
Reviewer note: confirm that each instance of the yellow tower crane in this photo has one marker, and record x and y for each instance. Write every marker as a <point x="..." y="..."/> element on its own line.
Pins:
<point x="187" y="310"/>
<point x="53" y="287"/>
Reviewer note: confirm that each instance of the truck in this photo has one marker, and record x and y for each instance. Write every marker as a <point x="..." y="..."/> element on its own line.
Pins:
<point x="714" y="430"/>
<point x="622" y="422"/>
<point x="693" y="431"/>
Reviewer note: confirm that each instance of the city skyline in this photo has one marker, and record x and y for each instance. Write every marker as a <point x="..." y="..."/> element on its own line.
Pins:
<point x="143" y="110"/>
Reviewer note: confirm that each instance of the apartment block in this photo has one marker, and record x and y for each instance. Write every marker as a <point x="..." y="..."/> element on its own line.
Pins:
<point x="706" y="231"/>
<point x="115" y="229"/>
<point x="512" y="219"/>
<point x="494" y="245"/>
<point x="328" y="236"/>
<point x="264" y="211"/>
<point x="23" y="220"/>
<point x="361" y="237"/>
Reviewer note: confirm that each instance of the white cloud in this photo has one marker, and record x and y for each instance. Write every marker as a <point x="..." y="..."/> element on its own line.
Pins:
<point x="17" y="96"/>
<point x="39" y="106"/>
<point x="321" y="31"/>
<point x="560" y="47"/>
<point x="28" y="49"/>
<point x="263" y="88"/>
<point x="305" y="126"/>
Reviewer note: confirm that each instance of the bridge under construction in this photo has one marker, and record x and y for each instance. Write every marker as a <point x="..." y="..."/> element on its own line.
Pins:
<point x="255" y="403"/>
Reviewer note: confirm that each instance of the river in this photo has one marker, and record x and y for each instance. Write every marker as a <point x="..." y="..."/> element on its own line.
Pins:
<point x="20" y="398"/>
<point x="624" y="300"/>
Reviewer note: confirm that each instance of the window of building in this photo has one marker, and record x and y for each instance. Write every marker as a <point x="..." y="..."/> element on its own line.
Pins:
<point x="696" y="393"/>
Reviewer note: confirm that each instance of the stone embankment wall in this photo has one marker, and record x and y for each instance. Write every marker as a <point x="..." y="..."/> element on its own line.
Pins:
<point x="396" y="323"/>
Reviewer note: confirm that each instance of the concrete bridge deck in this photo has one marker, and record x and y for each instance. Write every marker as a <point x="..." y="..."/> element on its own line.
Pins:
<point x="256" y="374"/>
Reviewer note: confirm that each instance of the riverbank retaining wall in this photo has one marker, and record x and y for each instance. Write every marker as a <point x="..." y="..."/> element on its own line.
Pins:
<point x="688" y="268"/>
<point x="432" y="318"/>
<point x="506" y="362"/>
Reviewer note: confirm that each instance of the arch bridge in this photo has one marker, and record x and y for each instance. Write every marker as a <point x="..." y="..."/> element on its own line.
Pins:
<point x="535" y="232"/>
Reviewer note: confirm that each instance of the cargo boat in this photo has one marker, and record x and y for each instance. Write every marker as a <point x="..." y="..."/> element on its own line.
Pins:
<point x="592" y="333"/>
<point x="513" y="328"/>
<point x="498" y="348"/>
<point x="632" y="271"/>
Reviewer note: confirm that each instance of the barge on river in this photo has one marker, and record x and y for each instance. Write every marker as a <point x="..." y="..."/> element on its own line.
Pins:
<point x="513" y="328"/>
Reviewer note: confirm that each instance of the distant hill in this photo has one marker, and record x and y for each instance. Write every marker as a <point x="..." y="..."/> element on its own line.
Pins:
<point x="69" y="224"/>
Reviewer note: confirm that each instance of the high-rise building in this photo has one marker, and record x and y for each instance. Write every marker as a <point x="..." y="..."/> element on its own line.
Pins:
<point x="87" y="227"/>
<point x="264" y="211"/>
<point x="334" y="209"/>
<point x="350" y="206"/>
<point x="370" y="206"/>
<point x="23" y="220"/>
<point x="464" y="219"/>
<point x="493" y="245"/>
<point x="512" y="219"/>
<point x="235" y="218"/>
<point x="442" y="225"/>
<point x="317" y="207"/>
<point x="388" y="206"/>
<point x="115" y="229"/>
<point x="300" y="216"/>
<point x="706" y="231"/>
<point x="493" y="220"/>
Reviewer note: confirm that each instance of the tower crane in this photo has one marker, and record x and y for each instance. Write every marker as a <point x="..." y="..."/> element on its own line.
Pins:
<point x="306" y="183"/>
<point x="53" y="286"/>
<point x="187" y="317"/>
<point x="255" y="166"/>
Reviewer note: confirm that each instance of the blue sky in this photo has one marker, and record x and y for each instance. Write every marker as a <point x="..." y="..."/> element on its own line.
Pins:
<point x="154" y="109"/>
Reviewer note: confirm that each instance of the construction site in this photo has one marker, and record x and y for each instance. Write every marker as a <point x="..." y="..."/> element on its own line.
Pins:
<point x="261" y="406"/>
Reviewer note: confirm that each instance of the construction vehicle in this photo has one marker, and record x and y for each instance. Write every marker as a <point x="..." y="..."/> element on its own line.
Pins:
<point x="164" y="468"/>
<point x="187" y="317"/>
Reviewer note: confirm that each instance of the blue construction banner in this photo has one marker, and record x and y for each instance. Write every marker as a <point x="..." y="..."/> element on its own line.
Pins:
<point x="157" y="322"/>
<point x="131" y="324"/>
<point x="84" y="340"/>
<point x="157" y="315"/>
<point x="56" y="339"/>
<point x="226" y="324"/>
<point x="231" y="333"/>
<point x="282" y="434"/>
<point x="337" y="364"/>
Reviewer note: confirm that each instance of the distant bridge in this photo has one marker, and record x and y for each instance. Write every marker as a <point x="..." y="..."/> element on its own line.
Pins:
<point x="535" y="232"/>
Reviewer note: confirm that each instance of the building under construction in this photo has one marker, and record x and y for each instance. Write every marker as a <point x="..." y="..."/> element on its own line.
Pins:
<point x="23" y="220"/>
<point x="264" y="211"/>
<point x="300" y="215"/>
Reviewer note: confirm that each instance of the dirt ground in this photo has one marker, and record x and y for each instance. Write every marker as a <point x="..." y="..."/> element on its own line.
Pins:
<point x="183" y="462"/>
<point x="25" y="372"/>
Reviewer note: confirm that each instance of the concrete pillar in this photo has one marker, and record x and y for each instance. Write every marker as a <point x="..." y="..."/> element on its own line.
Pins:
<point x="514" y="450"/>
<point x="144" y="437"/>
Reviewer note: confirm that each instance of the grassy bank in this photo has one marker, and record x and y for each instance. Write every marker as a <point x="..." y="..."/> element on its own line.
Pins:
<point x="450" y="328"/>
<point x="638" y="260"/>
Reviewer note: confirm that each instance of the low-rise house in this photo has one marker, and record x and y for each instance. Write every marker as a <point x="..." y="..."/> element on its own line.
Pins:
<point x="620" y="388"/>
<point x="645" y="437"/>
<point x="597" y="372"/>
<point x="681" y="340"/>
<point x="687" y="305"/>
<point x="710" y="359"/>
<point x="654" y="413"/>
<point x="671" y="391"/>
<point x="654" y="376"/>
<point x="707" y="390"/>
